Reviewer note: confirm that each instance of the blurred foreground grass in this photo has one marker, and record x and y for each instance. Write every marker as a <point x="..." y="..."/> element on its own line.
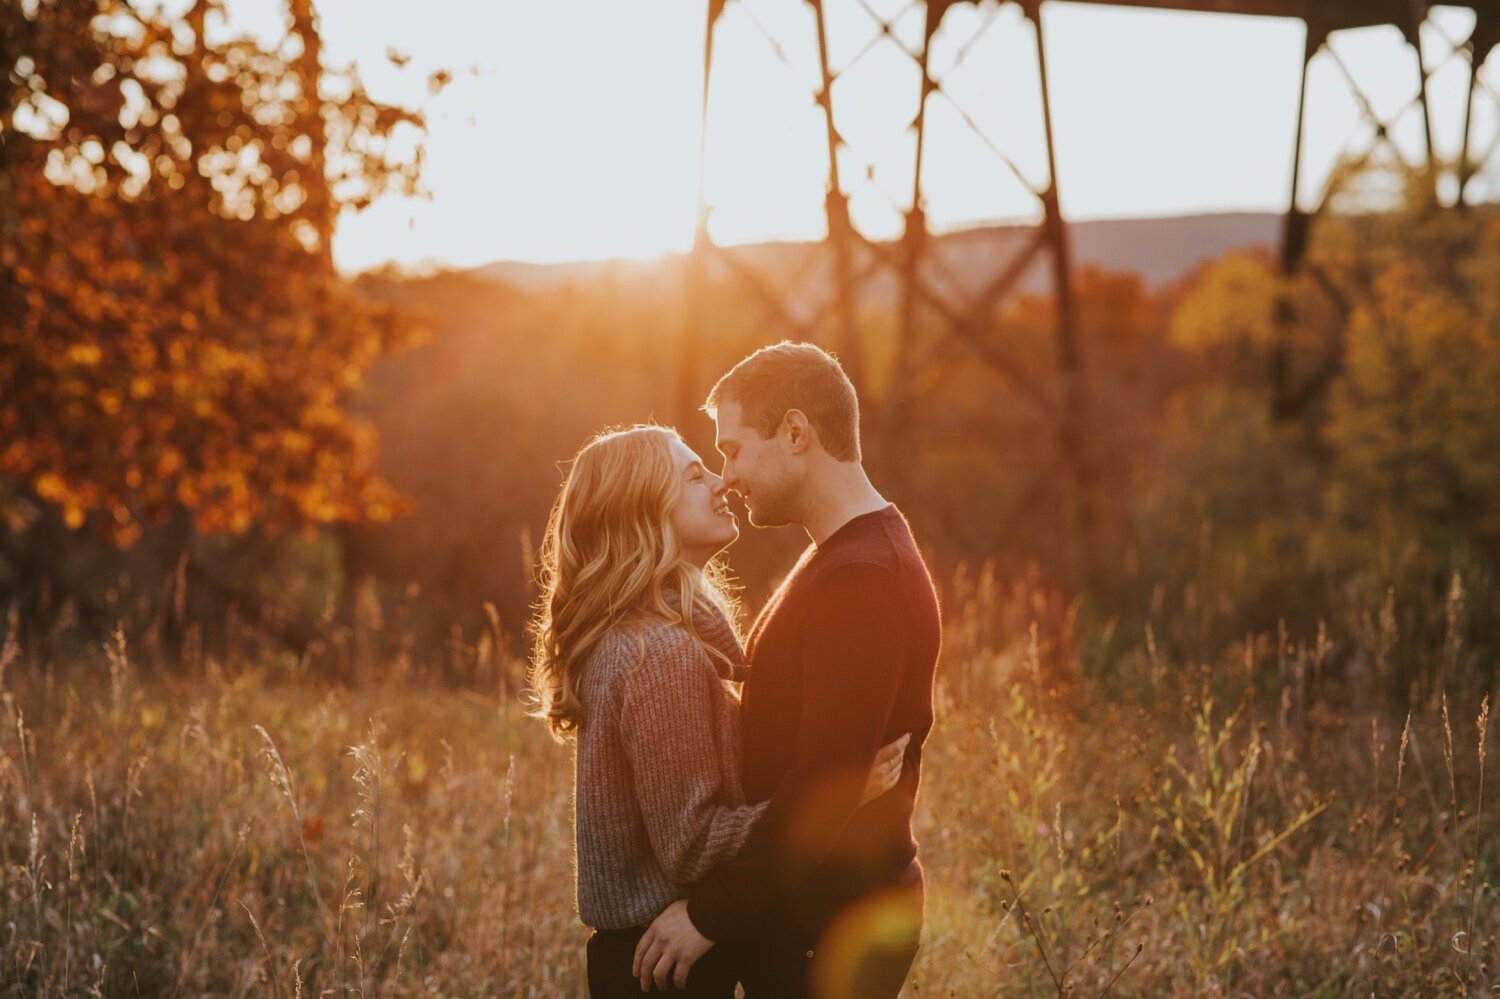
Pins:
<point x="1261" y="826"/>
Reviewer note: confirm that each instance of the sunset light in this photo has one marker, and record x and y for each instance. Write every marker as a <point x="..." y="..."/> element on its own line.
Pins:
<point x="962" y="499"/>
<point x="571" y="130"/>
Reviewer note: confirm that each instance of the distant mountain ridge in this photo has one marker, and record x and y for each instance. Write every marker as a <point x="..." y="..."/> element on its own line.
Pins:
<point x="1161" y="250"/>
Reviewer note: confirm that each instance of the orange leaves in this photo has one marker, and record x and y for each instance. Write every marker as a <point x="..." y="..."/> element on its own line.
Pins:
<point x="49" y="486"/>
<point x="296" y="442"/>
<point x="13" y="459"/>
<point x="55" y="489"/>
<point x="83" y="354"/>
<point x="125" y="271"/>
<point x="216" y="382"/>
<point x="168" y="463"/>
<point x="171" y="333"/>
<point x="1230" y="302"/>
<point x="1413" y="420"/>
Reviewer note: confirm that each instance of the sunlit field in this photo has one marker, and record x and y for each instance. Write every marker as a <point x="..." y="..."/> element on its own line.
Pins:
<point x="1212" y="502"/>
<point x="175" y="823"/>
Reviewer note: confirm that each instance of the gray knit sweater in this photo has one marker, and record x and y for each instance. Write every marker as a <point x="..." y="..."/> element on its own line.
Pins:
<point x="657" y="800"/>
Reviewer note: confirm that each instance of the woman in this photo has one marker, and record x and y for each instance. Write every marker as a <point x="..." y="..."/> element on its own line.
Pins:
<point x="633" y="658"/>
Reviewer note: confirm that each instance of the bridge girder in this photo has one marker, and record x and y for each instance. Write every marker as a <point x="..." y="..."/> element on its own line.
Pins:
<point x="969" y="325"/>
<point x="1334" y="15"/>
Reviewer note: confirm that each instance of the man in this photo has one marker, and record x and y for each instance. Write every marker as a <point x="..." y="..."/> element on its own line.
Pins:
<point x="826" y="897"/>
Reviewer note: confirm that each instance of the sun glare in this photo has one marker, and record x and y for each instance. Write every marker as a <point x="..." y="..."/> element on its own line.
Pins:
<point x="572" y="130"/>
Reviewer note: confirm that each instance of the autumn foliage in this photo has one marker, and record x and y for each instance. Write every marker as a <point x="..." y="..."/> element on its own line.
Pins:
<point x="1244" y="754"/>
<point x="176" y="345"/>
<point x="172" y="331"/>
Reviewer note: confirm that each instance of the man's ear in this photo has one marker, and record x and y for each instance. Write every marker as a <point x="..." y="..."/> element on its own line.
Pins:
<point x="799" y="432"/>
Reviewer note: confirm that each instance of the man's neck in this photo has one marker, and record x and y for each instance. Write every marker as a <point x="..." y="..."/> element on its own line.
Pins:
<point x="844" y="493"/>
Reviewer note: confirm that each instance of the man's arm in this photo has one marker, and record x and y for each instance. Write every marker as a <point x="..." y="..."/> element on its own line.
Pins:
<point x="854" y="647"/>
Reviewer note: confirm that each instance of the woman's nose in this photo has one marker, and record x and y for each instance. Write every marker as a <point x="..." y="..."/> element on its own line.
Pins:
<point x="719" y="486"/>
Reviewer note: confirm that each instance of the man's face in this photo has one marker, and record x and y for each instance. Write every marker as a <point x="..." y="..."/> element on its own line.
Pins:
<point x="760" y="469"/>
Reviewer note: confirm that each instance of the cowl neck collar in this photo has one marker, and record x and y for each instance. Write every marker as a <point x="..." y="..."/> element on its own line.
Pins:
<point x="713" y="630"/>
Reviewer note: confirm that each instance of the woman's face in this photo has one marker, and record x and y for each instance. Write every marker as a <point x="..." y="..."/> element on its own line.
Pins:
<point x="704" y="523"/>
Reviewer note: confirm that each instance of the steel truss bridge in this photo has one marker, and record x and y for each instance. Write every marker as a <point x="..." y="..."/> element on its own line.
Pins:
<point x="968" y="327"/>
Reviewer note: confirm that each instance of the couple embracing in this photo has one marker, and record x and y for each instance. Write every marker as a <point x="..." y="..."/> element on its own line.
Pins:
<point x="743" y="811"/>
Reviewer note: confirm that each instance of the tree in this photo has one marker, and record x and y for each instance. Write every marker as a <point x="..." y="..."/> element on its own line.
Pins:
<point x="172" y="330"/>
<point x="1415" y="421"/>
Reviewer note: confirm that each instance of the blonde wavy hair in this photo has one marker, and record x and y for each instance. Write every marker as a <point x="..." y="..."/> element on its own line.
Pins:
<point x="609" y="558"/>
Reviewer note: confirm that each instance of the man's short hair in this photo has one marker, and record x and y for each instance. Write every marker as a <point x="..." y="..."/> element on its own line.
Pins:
<point x="800" y="376"/>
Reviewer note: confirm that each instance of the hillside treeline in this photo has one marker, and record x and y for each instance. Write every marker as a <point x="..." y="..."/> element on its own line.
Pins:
<point x="1245" y="472"/>
<point x="205" y="430"/>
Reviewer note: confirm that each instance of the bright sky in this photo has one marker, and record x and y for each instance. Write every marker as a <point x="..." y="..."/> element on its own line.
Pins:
<point x="572" y="131"/>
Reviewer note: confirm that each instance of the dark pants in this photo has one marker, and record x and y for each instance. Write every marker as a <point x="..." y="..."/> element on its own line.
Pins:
<point x="865" y="952"/>
<point x="611" y="952"/>
<point x="772" y="971"/>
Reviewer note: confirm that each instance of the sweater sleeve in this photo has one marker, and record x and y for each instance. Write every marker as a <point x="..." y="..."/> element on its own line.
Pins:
<point x="853" y="656"/>
<point x="667" y="709"/>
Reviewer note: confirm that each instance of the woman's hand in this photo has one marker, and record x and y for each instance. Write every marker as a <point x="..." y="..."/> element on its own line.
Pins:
<point x="885" y="772"/>
<point x="668" y="949"/>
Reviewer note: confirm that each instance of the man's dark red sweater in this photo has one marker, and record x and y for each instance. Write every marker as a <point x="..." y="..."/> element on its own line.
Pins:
<point x="841" y="662"/>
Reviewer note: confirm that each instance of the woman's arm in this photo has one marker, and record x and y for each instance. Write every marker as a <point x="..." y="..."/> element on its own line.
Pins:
<point x="668" y="726"/>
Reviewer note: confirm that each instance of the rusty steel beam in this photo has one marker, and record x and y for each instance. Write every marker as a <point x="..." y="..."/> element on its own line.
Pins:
<point x="1074" y="426"/>
<point x="1412" y="29"/>
<point x="970" y="331"/>
<point x="1294" y="232"/>
<point x="897" y="404"/>
<point x="1005" y="280"/>
<point x="871" y="267"/>
<point x="1337" y="15"/>
<point x="1482" y="44"/>
<point x="769" y="294"/>
<point x="695" y="325"/>
<point x="969" y="323"/>
<point x="839" y="227"/>
<point x="965" y="322"/>
<point x="1465" y="165"/>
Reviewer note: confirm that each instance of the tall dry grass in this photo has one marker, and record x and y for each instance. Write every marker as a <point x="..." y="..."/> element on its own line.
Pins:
<point x="1255" y="826"/>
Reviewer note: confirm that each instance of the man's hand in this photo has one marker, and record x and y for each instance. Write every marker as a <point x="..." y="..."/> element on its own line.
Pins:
<point x="885" y="772"/>
<point x="670" y="946"/>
